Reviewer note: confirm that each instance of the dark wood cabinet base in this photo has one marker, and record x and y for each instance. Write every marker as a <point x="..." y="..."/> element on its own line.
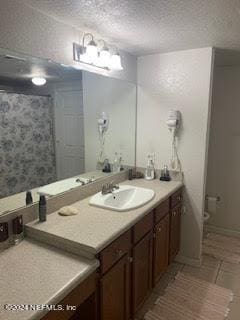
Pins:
<point x="130" y="267"/>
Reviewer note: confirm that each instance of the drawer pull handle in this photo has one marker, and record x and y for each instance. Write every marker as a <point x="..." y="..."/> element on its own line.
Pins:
<point x="159" y="229"/>
<point x="130" y="259"/>
<point x="119" y="253"/>
<point x="174" y="213"/>
<point x="179" y="198"/>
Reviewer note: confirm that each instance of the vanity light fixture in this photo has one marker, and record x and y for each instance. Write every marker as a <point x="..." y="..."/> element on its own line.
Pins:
<point x="104" y="56"/>
<point x="90" y="51"/>
<point x="39" y="81"/>
<point x="115" y="62"/>
<point x="91" y="54"/>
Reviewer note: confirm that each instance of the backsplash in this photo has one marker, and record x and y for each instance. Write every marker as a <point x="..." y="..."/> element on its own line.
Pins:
<point x="27" y="155"/>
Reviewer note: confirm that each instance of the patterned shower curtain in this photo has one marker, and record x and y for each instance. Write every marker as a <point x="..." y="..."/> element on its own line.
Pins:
<point x="27" y="154"/>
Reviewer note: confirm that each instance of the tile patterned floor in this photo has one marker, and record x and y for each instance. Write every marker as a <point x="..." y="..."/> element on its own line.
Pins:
<point x="216" y="271"/>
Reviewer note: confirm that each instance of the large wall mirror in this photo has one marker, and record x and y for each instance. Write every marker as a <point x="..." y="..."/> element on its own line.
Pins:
<point x="75" y="129"/>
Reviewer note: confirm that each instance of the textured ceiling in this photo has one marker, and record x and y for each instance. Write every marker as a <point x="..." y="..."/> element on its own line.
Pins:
<point x="149" y="26"/>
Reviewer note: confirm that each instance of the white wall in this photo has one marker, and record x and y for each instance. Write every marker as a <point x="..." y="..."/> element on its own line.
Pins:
<point x="223" y="177"/>
<point x="179" y="80"/>
<point x="118" y="99"/>
<point x="26" y="30"/>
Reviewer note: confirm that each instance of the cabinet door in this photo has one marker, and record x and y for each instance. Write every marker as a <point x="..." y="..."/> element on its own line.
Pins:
<point x="175" y="227"/>
<point x="160" y="248"/>
<point x="142" y="271"/>
<point x="114" y="291"/>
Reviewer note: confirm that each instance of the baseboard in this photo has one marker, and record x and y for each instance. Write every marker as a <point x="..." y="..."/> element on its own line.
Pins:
<point x="189" y="261"/>
<point x="225" y="232"/>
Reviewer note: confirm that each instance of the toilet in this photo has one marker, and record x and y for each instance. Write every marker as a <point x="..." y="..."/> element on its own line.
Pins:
<point x="210" y="207"/>
<point x="206" y="216"/>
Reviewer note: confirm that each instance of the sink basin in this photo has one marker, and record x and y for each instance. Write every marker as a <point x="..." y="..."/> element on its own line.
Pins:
<point x="124" y="199"/>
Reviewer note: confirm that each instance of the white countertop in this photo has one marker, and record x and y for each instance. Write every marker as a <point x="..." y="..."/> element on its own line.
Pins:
<point x="90" y="231"/>
<point x="35" y="273"/>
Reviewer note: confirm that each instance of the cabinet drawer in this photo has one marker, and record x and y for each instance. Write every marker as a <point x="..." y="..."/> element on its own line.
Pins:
<point x="176" y="198"/>
<point x="161" y="210"/>
<point x="142" y="227"/>
<point x="115" y="251"/>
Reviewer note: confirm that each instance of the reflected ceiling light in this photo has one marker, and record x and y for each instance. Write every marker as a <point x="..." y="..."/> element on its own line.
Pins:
<point x="39" y="81"/>
<point x="115" y="62"/>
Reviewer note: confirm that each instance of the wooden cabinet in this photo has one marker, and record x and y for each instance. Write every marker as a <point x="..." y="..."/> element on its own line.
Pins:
<point x="83" y="298"/>
<point x="115" y="251"/>
<point x="176" y="198"/>
<point x="160" y="248"/>
<point x="130" y="266"/>
<point x="161" y="210"/>
<point x="175" y="227"/>
<point x="142" y="227"/>
<point x="115" y="291"/>
<point x="152" y="242"/>
<point x="141" y="271"/>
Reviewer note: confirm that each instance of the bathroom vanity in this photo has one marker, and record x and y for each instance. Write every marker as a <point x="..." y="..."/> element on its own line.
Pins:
<point x="131" y="264"/>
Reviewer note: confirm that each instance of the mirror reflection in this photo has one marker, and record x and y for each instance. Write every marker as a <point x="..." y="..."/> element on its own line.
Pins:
<point x="60" y="128"/>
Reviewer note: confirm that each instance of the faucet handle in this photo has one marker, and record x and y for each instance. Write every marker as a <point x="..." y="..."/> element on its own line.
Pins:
<point x="105" y="188"/>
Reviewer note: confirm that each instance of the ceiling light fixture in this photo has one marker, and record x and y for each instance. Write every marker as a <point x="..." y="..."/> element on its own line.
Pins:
<point x="39" y="81"/>
<point x="91" y="54"/>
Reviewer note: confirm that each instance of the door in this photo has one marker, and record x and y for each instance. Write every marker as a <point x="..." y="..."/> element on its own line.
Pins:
<point x="142" y="271"/>
<point x="160" y="248"/>
<point x="114" y="291"/>
<point x="69" y="133"/>
<point x="175" y="227"/>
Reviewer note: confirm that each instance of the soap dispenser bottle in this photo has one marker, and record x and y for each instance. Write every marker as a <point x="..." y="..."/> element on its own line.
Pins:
<point x="149" y="171"/>
<point x="115" y="163"/>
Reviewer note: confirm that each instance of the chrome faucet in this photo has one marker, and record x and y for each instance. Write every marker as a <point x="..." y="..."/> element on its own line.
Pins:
<point x="109" y="188"/>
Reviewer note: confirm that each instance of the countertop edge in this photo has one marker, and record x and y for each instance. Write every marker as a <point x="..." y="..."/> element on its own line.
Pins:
<point x="65" y="291"/>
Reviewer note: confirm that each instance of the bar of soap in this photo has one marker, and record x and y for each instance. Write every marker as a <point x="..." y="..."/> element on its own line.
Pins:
<point x="68" y="211"/>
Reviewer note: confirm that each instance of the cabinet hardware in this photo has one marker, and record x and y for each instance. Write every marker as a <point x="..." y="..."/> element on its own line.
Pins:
<point x="174" y="213"/>
<point x="119" y="253"/>
<point x="179" y="198"/>
<point x="159" y="229"/>
<point x="130" y="259"/>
